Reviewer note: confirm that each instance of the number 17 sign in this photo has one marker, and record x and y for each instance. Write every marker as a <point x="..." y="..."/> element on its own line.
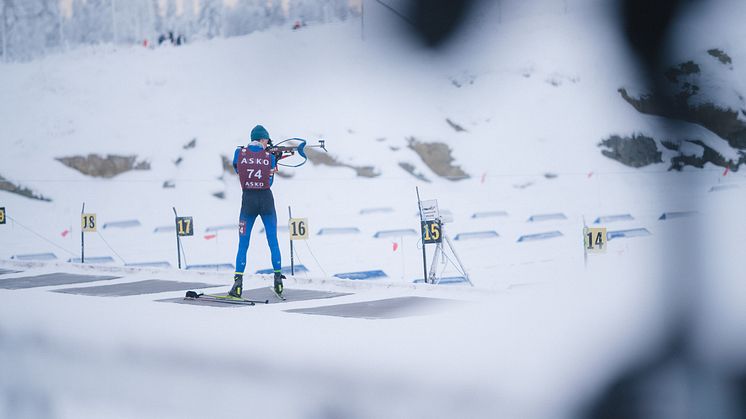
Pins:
<point x="184" y="226"/>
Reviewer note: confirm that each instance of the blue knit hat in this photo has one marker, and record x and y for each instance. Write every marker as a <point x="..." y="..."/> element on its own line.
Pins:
<point x="259" y="133"/>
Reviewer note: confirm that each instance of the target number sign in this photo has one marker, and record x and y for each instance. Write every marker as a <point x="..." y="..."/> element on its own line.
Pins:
<point x="184" y="226"/>
<point x="595" y="240"/>
<point x="88" y="223"/>
<point x="432" y="232"/>
<point x="298" y="228"/>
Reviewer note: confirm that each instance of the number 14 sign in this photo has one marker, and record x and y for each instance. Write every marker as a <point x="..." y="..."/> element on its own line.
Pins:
<point x="595" y="240"/>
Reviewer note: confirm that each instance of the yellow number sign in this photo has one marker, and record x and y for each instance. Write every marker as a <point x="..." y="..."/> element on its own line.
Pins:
<point x="431" y="232"/>
<point x="298" y="228"/>
<point x="88" y="223"/>
<point x="595" y="240"/>
<point x="2" y="215"/>
<point x="184" y="226"/>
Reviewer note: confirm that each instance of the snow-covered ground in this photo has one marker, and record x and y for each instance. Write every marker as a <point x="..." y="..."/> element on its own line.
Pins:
<point x="540" y="334"/>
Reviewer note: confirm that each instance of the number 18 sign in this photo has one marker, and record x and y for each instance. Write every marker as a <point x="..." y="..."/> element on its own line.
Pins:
<point x="88" y="223"/>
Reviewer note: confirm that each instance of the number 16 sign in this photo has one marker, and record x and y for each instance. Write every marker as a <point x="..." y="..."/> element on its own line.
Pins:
<point x="298" y="228"/>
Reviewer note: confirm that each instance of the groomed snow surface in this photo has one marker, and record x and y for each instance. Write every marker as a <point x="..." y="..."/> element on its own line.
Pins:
<point x="541" y="334"/>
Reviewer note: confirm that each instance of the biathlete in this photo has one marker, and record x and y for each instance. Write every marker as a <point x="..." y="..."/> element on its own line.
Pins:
<point x="256" y="167"/>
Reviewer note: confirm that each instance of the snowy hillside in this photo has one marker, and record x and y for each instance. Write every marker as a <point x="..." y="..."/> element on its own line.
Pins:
<point x="500" y="104"/>
<point x="503" y="129"/>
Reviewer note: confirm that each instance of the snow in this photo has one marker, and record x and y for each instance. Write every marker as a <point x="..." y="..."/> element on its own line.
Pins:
<point x="539" y="335"/>
<point x="691" y="149"/>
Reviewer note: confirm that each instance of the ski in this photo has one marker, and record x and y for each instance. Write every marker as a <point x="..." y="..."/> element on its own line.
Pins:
<point x="191" y="295"/>
<point x="276" y="294"/>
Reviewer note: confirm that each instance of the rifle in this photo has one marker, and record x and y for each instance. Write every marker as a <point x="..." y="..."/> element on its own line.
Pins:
<point x="280" y="152"/>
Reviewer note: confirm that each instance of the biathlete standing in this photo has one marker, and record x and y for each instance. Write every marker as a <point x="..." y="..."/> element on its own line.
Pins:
<point x="256" y="167"/>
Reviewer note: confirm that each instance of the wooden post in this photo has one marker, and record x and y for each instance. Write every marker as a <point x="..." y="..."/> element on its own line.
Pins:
<point x="82" y="238"/>
<point x="292" y="260"/>
<point x="424" y="255"/>
<point x="178" y="242"/>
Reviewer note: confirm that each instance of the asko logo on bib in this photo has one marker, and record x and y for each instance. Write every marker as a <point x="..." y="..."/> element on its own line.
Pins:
<point x="254" y="169"/>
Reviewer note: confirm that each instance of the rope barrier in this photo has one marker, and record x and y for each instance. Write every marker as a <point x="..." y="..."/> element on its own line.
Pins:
<point x="41" y="237"/>
<point x="109" y="246"/>
<point x="314" y="258"/>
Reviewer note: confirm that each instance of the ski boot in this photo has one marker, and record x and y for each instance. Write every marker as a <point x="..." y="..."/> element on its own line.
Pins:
<point x="278" y="283"/>
<point x="237" y="286"/>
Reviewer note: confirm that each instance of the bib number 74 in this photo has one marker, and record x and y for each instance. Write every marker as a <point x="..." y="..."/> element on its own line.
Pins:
<point x="255" y="173"/>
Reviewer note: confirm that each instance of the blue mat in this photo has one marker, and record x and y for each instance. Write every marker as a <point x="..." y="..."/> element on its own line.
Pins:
<point x="677" y="214"/>
<point x="93" y="260"/>
<point x="395" y="233"/>
<point x="212" y="267"/>
<point x="539" y="236"/>
<point x="285" y="270"/>
<point x="634" y="232"/>
<point x="450" y="280"/>
<point x="612" y="218"/>
<point x="477" y="235"/>
<point x="338" y="230"/>
<point x="223" y="227"/>
<point x="35" y="256"/>
<point x="162" y="264"/>
<point x="547" y="217"/>
<point x="123" y="224"/>
<point x="376" y="274"/>
<point x="376" y="210"/>
<point x="489" y="214"/>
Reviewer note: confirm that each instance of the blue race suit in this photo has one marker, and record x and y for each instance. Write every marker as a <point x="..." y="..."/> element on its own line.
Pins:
<point x="254" y="167"/>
